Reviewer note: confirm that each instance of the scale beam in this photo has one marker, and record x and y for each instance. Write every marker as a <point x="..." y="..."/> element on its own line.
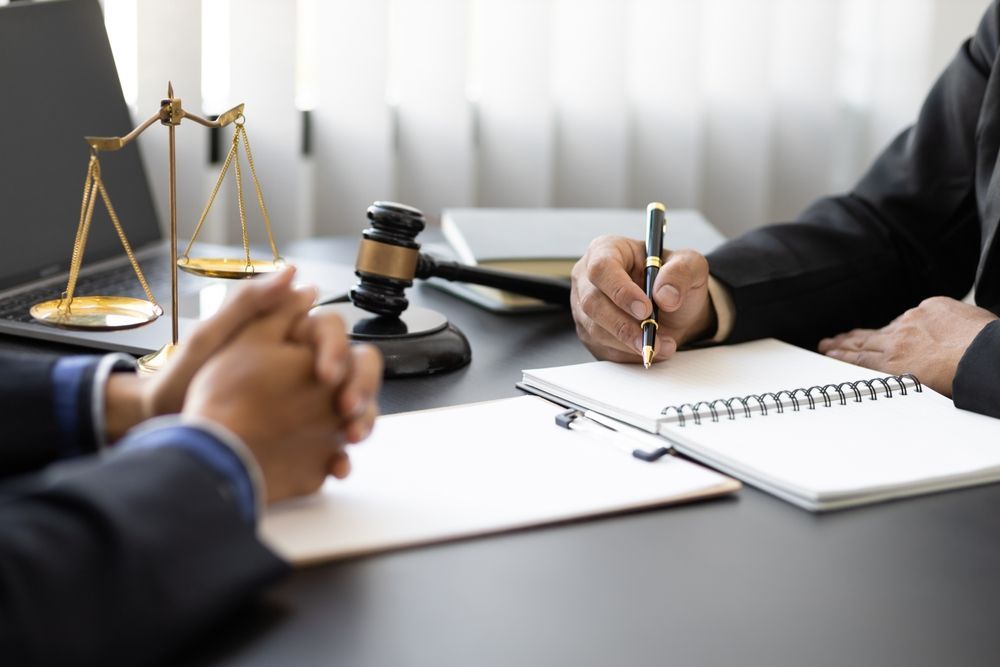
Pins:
<point x="116" y="312"/>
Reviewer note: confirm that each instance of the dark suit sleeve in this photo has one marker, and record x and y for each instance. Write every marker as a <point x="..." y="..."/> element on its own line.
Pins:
<point x="47" y="408"/>
<point x="29" y="431"/>
<point x="909" y="229"/>
<point x="121" y="560"/>
<point x="976" y="386"/>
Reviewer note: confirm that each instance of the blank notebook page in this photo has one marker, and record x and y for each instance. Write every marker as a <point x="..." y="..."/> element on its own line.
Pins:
<point x="442" y="474"/>
<point x="918" y="442"/>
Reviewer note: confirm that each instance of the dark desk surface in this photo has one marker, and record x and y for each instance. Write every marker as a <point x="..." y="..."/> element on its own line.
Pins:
<point x="749" y="580"/>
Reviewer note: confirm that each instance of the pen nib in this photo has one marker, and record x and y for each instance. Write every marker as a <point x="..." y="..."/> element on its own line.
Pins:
<point x="647" y="356"/>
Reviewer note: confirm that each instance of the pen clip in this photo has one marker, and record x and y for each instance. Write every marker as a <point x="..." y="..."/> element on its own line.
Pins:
<point x="569" y="417"/>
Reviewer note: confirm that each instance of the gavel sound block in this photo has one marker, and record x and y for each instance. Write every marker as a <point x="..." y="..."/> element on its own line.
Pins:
<point x="417" y="341"/>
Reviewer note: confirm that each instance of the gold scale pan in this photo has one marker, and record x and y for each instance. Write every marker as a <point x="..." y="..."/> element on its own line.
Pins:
<point x="120" y="312"/>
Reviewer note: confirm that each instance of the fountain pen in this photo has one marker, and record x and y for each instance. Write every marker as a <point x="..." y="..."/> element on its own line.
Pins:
<point x="655" y="221"/>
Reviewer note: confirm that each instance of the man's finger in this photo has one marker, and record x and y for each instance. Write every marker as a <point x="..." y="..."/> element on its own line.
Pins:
<point x="360" y="428"/>
<point x="864" y="358"/>
<point x="363" y="383"/>
<point x="608" y="323"/>
<point x="340" y="465"/>
<point x="610" y="265"/>
<point x="851" y="340"/>
<point x="277" y="325"/>
<point x="666" y="346"/>
<point x="682" y="271"/>
<point x="253" y="298"/>
<point x="325" y="333"/>
<point x="861" y="347"/>
<point x="248" y="303"/>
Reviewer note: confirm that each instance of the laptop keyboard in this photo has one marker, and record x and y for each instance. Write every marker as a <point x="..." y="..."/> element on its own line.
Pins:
<point x="116" y="281"/>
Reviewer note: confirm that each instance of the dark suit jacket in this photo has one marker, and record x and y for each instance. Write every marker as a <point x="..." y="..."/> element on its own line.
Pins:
<point x="112" y="561"/>
<point x="922" y="222"/>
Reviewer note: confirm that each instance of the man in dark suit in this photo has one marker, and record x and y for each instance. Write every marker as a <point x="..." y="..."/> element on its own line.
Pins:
<point x="873" y="277"/>
<point x="121" y="557"/>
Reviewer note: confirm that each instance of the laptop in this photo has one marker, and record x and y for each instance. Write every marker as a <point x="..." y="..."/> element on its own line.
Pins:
<point x="59" y="84"/>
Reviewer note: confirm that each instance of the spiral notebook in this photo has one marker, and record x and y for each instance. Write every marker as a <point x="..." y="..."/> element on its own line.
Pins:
<point x="817" y="432"/>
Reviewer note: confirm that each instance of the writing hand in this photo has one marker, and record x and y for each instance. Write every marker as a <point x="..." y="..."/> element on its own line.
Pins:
<point x="928" y="341"/>
<point x="608" y="302"/>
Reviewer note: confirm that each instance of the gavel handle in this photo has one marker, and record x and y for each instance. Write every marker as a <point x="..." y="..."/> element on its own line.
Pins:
<point x="549" y="290"/>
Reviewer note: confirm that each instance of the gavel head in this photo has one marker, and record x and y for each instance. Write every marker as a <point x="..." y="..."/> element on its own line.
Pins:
<point x="387" y="258"/>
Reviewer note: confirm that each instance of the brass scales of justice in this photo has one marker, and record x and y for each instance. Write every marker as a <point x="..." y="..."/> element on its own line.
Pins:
<point x="107" y="313"/>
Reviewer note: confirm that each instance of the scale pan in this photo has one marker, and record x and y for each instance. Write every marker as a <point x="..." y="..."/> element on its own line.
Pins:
<point x="102" y="313"/>
<point x="233" y="269"/>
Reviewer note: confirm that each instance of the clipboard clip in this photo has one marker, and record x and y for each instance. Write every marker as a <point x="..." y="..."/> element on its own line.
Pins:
<point x="569" y="418"/>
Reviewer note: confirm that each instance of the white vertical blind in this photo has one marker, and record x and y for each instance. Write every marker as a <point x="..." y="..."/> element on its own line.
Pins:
<point x="899" y="64"/>
<point x="352" y="128"/>
<point x="805" y="116"/>
<point x="262" y="74"/>
<point x="737" y="112"/>
<point x="664" y="94"/>
<point x="428" y="54"/>
<point x="745" y="109"/>
<point x="591" y="112"/>
<point x="509" y="85"/>
<point x="172" y="28"/>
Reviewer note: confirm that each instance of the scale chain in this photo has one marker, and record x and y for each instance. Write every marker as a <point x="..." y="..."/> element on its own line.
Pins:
<point x="239" y="196"/>
<point x="82" y="230"/>
<point x="260" y="195"/>
<point x="94" y="184"/>
<point x="125" y="243"/>
<point x="211" y="199"/>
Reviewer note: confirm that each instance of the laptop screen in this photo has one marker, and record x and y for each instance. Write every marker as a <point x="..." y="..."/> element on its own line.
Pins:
<point x="59" y="84"/>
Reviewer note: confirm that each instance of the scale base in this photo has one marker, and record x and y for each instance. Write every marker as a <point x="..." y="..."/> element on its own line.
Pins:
<point x="154" y="361"/>
<point x="418" y="342"/>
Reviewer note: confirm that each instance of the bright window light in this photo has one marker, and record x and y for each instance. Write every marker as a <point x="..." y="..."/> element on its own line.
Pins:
<point x="215" y="55"/>
<point x="121" y="21"/>
<point x="307" y="54"/>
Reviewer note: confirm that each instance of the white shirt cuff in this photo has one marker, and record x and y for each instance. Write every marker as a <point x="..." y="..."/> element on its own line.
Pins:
<point x="98" y="409"/>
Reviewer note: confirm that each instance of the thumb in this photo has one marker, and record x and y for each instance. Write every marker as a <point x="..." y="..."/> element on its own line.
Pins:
<point x="683" y="271"/>
<point x="277" y="325"/>
<point x="254" y="298"/>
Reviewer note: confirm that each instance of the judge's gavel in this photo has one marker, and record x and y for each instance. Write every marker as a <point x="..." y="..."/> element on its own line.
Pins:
<point x="389" y="258"/>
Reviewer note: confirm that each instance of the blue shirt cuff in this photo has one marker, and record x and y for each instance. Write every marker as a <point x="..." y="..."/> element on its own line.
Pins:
<point x="71" y="378"/>
<point x="206" y="447"/>
<point x="78" y="385"/>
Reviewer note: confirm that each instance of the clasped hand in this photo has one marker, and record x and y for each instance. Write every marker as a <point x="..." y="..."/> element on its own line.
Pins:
<point x="286" y="382"/>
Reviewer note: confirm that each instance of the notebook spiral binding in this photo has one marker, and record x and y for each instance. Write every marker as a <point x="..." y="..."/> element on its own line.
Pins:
<point x="777" y="401"/>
